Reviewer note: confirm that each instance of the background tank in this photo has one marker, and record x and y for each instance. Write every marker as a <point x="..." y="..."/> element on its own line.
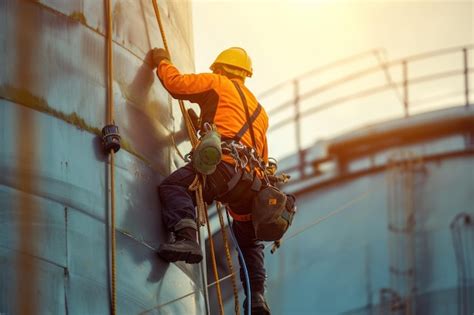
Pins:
<point x="385" y="222"/>
<point x="53" y="174"/>
<point x="400" y="236"/>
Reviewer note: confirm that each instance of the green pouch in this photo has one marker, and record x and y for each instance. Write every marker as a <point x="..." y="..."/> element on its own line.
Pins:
<point x="208" y="153"/>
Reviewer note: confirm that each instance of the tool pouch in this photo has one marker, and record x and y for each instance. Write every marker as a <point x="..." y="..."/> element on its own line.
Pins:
<point x="208" y="153"/>
<point x="272" y="213"/>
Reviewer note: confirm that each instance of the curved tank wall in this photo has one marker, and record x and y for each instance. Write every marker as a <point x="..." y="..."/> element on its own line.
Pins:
<point x="402" y="238"/>
<point x="53" y="182"/>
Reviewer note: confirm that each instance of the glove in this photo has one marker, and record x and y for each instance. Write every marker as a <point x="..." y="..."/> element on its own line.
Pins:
<point x="159" y="54"/>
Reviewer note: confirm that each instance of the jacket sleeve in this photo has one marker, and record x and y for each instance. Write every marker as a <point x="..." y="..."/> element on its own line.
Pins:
<point x="184" y="86"/>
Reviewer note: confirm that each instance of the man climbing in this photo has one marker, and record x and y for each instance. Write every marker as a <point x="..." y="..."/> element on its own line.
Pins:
<point x="228" y="105"/>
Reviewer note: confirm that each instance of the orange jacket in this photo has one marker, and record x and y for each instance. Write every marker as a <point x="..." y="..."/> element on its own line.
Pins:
<point x="220" y="104"/>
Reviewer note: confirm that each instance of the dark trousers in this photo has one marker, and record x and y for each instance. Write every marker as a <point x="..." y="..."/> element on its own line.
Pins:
<point x="178" y="203"/>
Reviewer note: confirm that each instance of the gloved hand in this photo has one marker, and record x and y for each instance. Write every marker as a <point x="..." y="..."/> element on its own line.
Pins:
<point x="158" y="55"/>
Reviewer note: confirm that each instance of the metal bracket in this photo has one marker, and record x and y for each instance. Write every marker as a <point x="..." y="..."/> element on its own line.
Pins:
<point x="111" y="138"/>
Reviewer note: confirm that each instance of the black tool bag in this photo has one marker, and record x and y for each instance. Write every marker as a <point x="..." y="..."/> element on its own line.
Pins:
<point x="272" y="210"/>
<point x="272" y="213"/>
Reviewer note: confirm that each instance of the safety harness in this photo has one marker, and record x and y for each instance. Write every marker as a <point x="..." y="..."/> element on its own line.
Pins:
<point x="269" y="203"/>
<point x="247" y="160"/>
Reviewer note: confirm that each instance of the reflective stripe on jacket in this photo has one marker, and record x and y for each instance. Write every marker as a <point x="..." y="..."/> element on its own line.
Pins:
<point x="220" y="104"/>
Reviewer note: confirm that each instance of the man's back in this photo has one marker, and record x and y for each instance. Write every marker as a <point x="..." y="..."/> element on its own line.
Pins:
<point x="220" y="104"/>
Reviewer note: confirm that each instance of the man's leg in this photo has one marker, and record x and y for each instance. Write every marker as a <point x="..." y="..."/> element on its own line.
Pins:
<point x="252" y="250"/>
<point x="178" y="209"/>
<point x="179" y="216"/>
<point x="177" y="201"/>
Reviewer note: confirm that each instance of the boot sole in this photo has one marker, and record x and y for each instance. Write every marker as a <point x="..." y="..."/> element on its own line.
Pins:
<point x="173" y="256"/>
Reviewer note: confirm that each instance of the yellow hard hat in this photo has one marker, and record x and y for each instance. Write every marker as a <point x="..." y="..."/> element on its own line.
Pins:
<point x="236" y="57"/>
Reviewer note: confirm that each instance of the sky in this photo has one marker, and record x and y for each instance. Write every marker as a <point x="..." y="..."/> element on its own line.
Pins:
<point x="287" y="38"/>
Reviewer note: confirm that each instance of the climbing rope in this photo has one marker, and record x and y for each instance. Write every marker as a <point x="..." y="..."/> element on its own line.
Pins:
<point x="199" y="180"/>
<point x="229" y="258"/>
<point x="110" y="119"/>
<point x="173" y="141"/>
<point x="214" y="267"/>
<point x="188" y="123"/>
<point x="203" y="219"/>
<point x="196" y="186"/>
<point x="187" y="120"/>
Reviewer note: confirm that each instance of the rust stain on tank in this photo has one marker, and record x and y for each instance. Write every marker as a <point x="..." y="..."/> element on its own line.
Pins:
<point x="79" y="17"/>
<point x="26" y="271"/>
<point x="27" y="99"/>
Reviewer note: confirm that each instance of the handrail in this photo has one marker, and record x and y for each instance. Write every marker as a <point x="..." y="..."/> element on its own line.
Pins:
<point x="353" y="76"/>
<point x="327" y="86"/>
<point x="367" y="92"/>
<point x="294" y="100"/>
<point x="334" y="64"/>
<point x="434" y="53"/>
<point x="331" y="65"/>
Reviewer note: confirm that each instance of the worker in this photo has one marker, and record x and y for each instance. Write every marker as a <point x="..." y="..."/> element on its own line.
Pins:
<point x="227" y="104"/>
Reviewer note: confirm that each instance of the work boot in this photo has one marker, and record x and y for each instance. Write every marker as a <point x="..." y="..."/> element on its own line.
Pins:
<point x="184" y="247"/>
<point x="259" y="305"/>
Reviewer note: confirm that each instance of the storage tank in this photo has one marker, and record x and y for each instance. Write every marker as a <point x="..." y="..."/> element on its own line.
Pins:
<point x="389" y="229"/>
<point x="386" y="207"/>
<point x="54" y="179"/>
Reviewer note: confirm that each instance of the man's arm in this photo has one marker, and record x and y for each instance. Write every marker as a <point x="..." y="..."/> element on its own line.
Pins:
<point x="191" y="87"/>
<point x="183" y="86"/>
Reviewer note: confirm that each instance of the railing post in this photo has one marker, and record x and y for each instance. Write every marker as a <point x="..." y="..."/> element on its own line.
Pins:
<point x="466" y="77"/>
<point x="298" y="127"/>
<point x="405" y="87"/>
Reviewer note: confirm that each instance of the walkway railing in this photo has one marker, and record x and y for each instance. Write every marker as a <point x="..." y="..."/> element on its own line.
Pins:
<point x="406" y="69"/>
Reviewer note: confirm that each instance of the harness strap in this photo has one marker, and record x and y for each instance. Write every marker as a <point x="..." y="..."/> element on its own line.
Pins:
<point x="245" y="127"/>
<point x="250" y="121"/>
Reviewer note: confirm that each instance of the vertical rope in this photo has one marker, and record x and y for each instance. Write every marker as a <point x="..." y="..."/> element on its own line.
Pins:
<point x="160" y="24"/>
<point x="229" y="258"/>
<point x="110" y="70"/>
<point x="110" y="119"/>
<point x="199" y="180"/>
<point x="201" y="206"/>
<point x="112" y="233"/>
<point x="189" y="126"/>
<point x="214" y="267"/>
